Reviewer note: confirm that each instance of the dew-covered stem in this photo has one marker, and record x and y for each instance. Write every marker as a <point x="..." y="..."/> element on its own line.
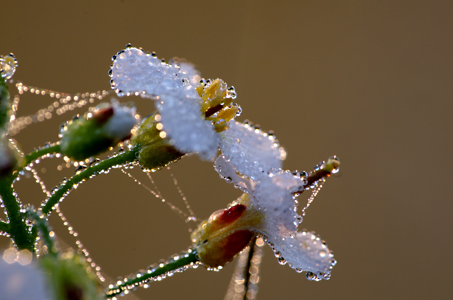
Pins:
<point x="17" y="227"/>
<point x="44" y="231"/>
<point x="120" y="159"/>
<point x="4" y="227"/>
<point x="40" y="152"/>
<point x="248" y="266"/>
<point x="180" y="264"/>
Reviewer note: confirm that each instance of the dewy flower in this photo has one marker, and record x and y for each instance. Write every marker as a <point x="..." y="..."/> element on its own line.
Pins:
<point x="191" y="112"/>
<point x="95" y="132"/>
<point x="267" y="208"/>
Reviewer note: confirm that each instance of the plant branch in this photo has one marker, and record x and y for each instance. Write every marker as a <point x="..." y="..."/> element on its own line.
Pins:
<point x="17" y="227"/>
<point x="44" y="230"/>
<point x="4" y="227"/>
<point x="176" y="265"/>
<point x="120" y="159"/>
<point x="247" y="274"/>
<point x="40" y="152"/>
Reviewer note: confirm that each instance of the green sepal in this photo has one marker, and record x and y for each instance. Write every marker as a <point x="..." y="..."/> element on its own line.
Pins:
<point x="10" y="158"/>
<point x="5" y="103"/>
<point x="84" y="138"/>
<point x="155" y="152"/>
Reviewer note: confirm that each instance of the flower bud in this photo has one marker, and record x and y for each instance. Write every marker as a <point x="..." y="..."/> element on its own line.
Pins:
<point x="71" y="277"/>
<point x="97" y="131"/>
<point x="9" y="157"/>
<point x="220" y="238"/>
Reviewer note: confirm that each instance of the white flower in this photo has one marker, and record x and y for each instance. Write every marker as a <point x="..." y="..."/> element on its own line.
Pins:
<point x="272" y="211"/>
<point x="135" y="72"/>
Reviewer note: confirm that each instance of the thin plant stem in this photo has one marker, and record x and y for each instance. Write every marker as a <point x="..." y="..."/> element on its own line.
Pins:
<point x="4" y="227"/>
<point x="17" y="228"/>
<point x="44" y="231"/>
<point x="120" y="159"/>
<point x="40" y="152"/>
<point x="175" y="265"/>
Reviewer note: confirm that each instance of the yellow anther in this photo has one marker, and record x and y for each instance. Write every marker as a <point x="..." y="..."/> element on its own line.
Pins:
<point x="199" y="89"/>
<point x="213" y="94"/>
<point x="228" y="113"/>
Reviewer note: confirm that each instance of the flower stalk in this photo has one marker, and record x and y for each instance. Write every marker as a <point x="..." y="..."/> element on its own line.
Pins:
<point x="18" y="229"/>
<point x="176" y="264"/>
<point x="126" y="157"/>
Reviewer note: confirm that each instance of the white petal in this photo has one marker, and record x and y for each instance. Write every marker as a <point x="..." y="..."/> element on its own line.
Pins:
<point x="190" y="72"/>
<point x="251" y="151"/>
<point x="135" y="72"/>
<point x="305" y="252"/>
<point x="22" y="282"/>
<point x="119" y="126"/>
<point x="273" y="195"/>
<point x="228" y="172"/>
<point x="183" y="123"/>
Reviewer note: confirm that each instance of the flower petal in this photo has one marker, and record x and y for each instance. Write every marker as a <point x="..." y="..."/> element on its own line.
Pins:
<point x="305" y="252"/>
<point x="251" y="151"/>
<point x="228" y="172"/>
<point x="188" y="70"/>
<point x="274" y="196"/>
<point x="120" y="124"/>
<point x="135" y="72"/>
<point x="23" y="282"/>
<point x="183" y="123"/>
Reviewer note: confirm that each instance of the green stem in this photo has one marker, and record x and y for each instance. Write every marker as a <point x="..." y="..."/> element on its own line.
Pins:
<point x="40" y="152"/>
<point x="63" y="190"/>
<point x="36" y="154"/>
<point x="5" y="104"/>
<point x="17" y="227"/>
<point x="4" y="227"/>
<point x="44" y="231"/>
<point x="179" y="264"/>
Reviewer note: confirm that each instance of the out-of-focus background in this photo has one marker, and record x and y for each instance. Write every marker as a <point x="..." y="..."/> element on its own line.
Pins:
<point x="369" y="81"/>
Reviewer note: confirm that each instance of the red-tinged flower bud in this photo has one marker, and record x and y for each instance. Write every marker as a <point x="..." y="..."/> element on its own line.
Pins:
<point x="97" y="131"/>
<point x="220" y="238"/>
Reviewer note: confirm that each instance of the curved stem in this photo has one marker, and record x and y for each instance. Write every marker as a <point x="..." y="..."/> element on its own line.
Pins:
<point x="44" y="231"/>
<point x="179" y="264"/>
<point x="36" y="154"/>
<point x="17" y="228"/>
<point x="64" y="189"/>
<point x="40" y="152"/>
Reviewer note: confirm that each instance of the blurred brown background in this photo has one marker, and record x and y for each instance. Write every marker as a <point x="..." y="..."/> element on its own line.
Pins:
<point x="369" y="81"/>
